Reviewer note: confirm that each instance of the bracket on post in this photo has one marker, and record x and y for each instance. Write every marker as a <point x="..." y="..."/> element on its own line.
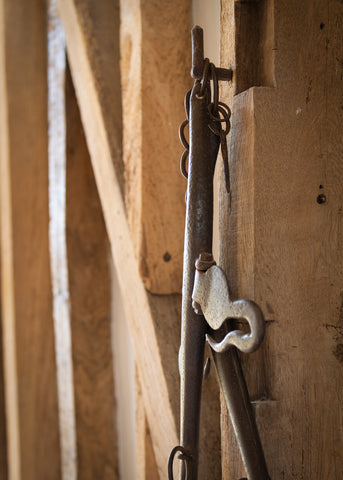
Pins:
<point x="198" y="57"/>
<point x="211" y="293"/>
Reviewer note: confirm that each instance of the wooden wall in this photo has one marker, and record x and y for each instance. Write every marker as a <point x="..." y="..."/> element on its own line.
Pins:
<point x="282" y="239"/>
<point x="104" y="134"/>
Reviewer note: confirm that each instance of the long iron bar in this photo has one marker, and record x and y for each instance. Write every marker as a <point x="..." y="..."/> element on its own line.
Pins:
<point x="204" y="146"/>
<point x="203" y="151"/>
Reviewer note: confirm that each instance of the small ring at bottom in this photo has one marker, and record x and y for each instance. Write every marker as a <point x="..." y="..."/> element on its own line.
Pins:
<point x="183" y="456"/>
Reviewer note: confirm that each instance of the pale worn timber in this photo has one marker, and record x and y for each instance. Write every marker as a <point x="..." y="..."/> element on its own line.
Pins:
<point x="146" y="468"/>
<point x="3" y="440"/>
<point x="104" y="143"/>
<point x="282" y="238"/>
<point x="155" y="75"/>
<point x="153" y="319"/>
<point x="57" y="242"/>
<point x="29" y="360"/>
<point x="90" y="308"/>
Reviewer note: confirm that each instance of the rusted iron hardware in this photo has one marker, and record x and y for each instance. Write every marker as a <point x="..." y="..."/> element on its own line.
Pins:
<point x="206" y="304"/>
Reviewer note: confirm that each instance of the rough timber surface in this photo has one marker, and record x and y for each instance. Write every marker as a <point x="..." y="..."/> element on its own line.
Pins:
<point x="90" y="308"/>
<point x="155" y="77"/>
<point x="282" y="239"/>
<point x="3" y="442"/>
<point x="153" y="320"/>
<point x="30" y="371"/>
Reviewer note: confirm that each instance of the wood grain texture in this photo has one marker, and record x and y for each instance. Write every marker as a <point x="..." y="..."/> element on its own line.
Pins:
<point x="153" y="319"/>
<point x="100" y="135"/>
<point x="30" y="371"/>
<point x="145" y="458"/>
<point x="90" y="307"/>
<point x="155" y="65"/>
<point x="57" y="242"/>
<point x="3" y="439"/>
<point x="284" y="241"/>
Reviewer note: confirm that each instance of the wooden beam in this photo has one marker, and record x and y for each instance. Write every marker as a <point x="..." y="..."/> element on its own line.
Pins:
<point x="155" y="76"/>
<point x="124" y="375"/>
<point x="145" y="458"/>
<point x="153" y="319"/>
<point x="57" y="242"/>
<point x="30" y="377"/>
<point x="93" y="77"/>
<point x="3" y="439"/>
<point x="90" y="308"/>
<point x="284" y="245"/>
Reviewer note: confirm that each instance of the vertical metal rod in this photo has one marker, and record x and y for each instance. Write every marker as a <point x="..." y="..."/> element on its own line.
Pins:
<point x="203" y="152"/>
<point x="197" y="52"/>
<point x="237" y="400"/>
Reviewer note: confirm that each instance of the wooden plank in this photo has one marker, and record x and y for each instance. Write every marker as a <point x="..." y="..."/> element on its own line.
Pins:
<point x="124" y="375"/>
<point x="286" y="240"/>
<point x="153" y="319"/>
<point x="155" y="77"/>
<point x="3" y="439"/>
<point x="57" y="242"/>
<point x="145" y="458"/>
<point x="104" y="143"/>
<point x="90" y="308"/>
<point x="30" y="380"/>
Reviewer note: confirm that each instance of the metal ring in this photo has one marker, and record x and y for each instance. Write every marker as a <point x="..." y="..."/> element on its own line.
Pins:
<point x="218" y="119"/>
<point x="215" y="87"/>
<point x="183" y="456"/>
<point x="183" y="164"/>
<point x="204" y="79"/>
<point x="186" y="103"/>
<point x="182" y="134"/>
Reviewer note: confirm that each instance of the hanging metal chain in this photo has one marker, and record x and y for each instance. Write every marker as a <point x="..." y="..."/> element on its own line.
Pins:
<point x="219" y="114"/>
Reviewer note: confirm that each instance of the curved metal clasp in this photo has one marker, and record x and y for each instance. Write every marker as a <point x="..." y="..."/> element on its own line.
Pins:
<point x="211" y="292"/>
<point x="182" y="456"/>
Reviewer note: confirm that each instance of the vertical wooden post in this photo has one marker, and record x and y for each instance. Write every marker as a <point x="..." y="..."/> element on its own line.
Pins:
<point x="30" y="378"/>
<point x="57" y="241"/>
<point x="282" y="238"/>
<point x="155" y="74"/>
<point x="3" y="440"/>
<point x="90" y="308"/>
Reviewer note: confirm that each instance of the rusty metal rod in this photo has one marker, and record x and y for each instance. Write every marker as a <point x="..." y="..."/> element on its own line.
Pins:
<point x="204" y="146"/>
<point x="198" y="57"/>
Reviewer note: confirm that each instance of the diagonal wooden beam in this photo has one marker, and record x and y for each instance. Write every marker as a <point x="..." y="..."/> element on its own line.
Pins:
<point x="90" y="308"/>
<point x="94" y="78"/>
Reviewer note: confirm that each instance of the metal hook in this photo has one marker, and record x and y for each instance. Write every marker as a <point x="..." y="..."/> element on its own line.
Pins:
<point x="198" y="57"/>
<point x="211" y="292"/>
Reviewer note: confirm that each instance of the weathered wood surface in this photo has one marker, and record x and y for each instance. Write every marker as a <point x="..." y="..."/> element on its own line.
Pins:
<point x="104" y="143"/>
<point x="153" y="319"/>
<point x="146" y="468"/>
<point x="58" y="244"/>
<point x="30" y="373"/>
<point x="90" y="308"/>
<point x="282" y="240"/>
<point x="155" y="77"/>
<point x="124" y="375"/>
<point x="3" y="442"/>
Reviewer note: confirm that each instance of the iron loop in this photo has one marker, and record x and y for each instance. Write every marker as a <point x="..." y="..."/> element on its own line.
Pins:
<point x="182" y="134"/>
<point x="183" y="164"/>
<point x="215" y="87"/>
<point x="204" y="80"/>
<point x="186" y="103"/>
<point x="183" y="456"/>
<point x="223" y="116"/>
